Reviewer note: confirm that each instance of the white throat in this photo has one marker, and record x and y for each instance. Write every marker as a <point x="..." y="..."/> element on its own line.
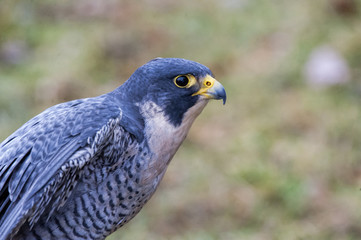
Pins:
<point x="163" y="137"/>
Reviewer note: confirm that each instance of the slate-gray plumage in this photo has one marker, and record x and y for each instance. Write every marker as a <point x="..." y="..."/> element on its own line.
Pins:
<point x="82" y="169"/>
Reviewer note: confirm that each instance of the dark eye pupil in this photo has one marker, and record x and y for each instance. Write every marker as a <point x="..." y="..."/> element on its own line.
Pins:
<point x="182" y="81"/>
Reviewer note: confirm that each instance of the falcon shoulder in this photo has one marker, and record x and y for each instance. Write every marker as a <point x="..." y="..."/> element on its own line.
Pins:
<point x="41" y="161"/>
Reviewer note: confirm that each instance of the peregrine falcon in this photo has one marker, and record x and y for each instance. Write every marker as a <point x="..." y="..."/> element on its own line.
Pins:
<point x="84" y="168"/>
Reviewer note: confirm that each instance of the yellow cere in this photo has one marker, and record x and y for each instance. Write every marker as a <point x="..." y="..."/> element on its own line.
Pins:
<point x="208" y="83"/>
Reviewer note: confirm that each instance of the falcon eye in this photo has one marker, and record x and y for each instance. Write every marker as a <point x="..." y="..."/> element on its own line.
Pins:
<point x="182" y="81"/>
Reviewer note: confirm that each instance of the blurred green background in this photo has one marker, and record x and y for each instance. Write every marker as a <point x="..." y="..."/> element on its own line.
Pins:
<point x="281" y="160"/>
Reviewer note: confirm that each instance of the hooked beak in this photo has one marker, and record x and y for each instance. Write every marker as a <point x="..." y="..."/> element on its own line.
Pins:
<point x="212" y="89"/>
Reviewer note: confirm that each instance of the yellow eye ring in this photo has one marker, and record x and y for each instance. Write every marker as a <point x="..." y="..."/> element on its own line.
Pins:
<point x="182" y="81"/>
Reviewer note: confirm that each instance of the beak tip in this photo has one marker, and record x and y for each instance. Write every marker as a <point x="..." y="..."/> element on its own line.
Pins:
<point x="220" y="93"/>
<point x="223" y="96"/>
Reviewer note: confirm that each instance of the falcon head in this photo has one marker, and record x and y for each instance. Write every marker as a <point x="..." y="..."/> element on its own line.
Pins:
<point x="174" y="87"/>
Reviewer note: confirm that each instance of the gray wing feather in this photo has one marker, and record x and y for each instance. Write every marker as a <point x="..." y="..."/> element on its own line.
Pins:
<point x="39" y="158"/>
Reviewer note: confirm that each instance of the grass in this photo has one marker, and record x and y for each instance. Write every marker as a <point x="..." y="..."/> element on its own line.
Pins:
<point x="280" y="160"/>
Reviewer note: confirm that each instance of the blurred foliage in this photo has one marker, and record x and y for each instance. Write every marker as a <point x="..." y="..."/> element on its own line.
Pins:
<point x="281" y="160"/>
